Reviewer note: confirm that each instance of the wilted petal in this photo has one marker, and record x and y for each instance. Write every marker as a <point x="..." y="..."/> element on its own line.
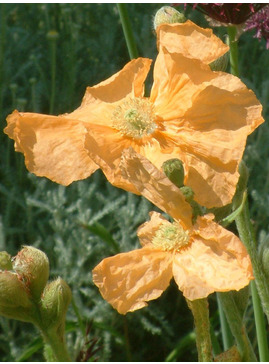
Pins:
<point x="155" y="186"/>
<point x="128" y="280"/>
<point x="191" y="40"/>
<point x="53" y="146"/>
<point x="216" y="261"/>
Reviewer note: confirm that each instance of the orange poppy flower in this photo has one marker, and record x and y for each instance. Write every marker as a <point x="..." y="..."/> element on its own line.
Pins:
<point x="194" y="114"/>
<point x="202" y="258"/>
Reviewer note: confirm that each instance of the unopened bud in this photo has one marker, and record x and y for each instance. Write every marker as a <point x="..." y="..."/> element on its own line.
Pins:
<point x="187" y="192"/>
<point x="13" y="291"/>
<point x="33" y="265"/>
<point x="5" y="261"/>
<point x="221" y="63"/>
<point x="14" y="298"/>
<point x="174" y="170"/>
<point x="169" y="15"/>
<point x="54" y="303"/>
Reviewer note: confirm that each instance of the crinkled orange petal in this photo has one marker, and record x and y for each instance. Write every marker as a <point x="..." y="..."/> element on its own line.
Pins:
<point x="147" y="231"/>
<point x="214" y="114"/>
<point x="128" y="280"/>
<point x="105" y="146"/>
<point x="155" y="186"/>
<point x="216" y="261"/>
<point x="191" y="40"/>
<point x="127" y="82"/>
<point x="177" y="80"/>
<point x="53" y="146"/>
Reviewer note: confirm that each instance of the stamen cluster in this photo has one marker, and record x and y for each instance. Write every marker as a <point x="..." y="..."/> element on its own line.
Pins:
<point x="134" y="118"/>
<point x="171" y="237"/>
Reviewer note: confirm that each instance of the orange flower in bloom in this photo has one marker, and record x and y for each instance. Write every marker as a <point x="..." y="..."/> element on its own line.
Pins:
<point x="202" y="258"/>
<point x="194" y="114"/>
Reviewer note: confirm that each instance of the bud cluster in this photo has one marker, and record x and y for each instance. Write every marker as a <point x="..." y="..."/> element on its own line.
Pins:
<point x="25" y="293"/>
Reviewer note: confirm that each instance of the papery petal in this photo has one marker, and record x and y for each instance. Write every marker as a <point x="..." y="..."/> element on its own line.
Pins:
<point x="128" y="280"/>
<point x="147" y="231"/>
<point x="216" y="261"/>
<point x="177" y="80"/>
<point x="210" y="107"/>
<point x="53" y="146"/>
<point x="105" y="146"/>
<point x="155" y="186"/>
<point x="191" y="40"/>
<point x="127" y="82"/>
<point x="217" y="126"/>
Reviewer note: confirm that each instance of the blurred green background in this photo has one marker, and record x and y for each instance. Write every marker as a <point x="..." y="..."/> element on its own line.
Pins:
<point x="49" y="54"/>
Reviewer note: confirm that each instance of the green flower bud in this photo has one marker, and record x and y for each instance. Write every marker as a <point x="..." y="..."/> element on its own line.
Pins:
<point x="5" y="261"/>
<point x="174" y="170"/>
<point x="169" y="15"/>
<point x="187" y="192"/>
<point x="33" y="265"/>
<point x="15" y="299"/>
<point x="54" y="303"/>
<point x="221" y="63"/>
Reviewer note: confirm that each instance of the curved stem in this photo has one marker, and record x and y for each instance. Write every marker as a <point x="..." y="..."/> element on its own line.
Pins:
<point x="237" y="327"/>
<point x="199" y="309"/>
<point x="232" y="42"/>
<point x="57" y="345"/>
<point x="225" y="329"/>
<point x="127" y="30"/>
<point x="260" y="324"/>
<point x="246" y="235"/>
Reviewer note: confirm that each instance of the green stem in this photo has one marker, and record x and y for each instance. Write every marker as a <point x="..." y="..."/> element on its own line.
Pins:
<point x="246" y="235"/>
<point x="225" y="329"/>
<point x="200" y="313"/>
<point x="260" y="324"/>
<point x="2" y="52"/>
<point x="57" y="345"/>
<point x="237" y="327"/>
<point x="232" y="42"/>
<point x="53" y="44"/>
<point x="127" y="30"/>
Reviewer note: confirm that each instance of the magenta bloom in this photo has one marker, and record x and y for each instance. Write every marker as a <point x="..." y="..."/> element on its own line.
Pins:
<point x="260" y="22"/>
<point x="229" y="13"/>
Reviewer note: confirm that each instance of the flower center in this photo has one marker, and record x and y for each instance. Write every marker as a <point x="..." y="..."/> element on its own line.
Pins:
<point x="171" y="236"/>
<point x="135" y="118"/>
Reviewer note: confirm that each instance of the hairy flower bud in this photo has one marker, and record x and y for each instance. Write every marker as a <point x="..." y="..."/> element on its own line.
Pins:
<point x="174" y="170"/>
<point x="169" y="15"/>
<point x="33" y="265"/>
<point x="5" y="261"/>
<point x="15" y="299"/>
<point x="54" y="303"/>
<point x="187" y="192"/>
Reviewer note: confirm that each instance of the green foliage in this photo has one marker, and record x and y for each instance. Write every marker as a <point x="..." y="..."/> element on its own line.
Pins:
<point x="78" y="225"/>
